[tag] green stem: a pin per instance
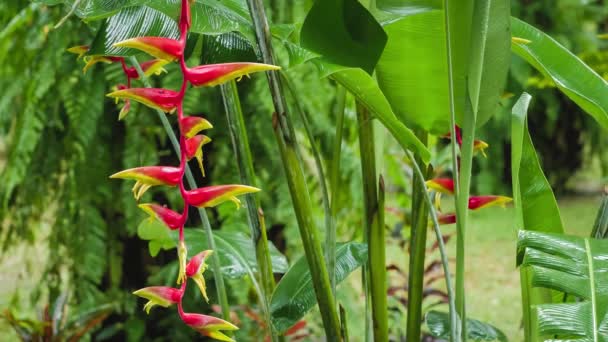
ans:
(344, 327)
(461, 199)
(290, 158)
(321, 173)
(215, 261)
(374, 225)
(330, 237)
(417, 255)
(308, 233)
(240, 143)
(454, 324)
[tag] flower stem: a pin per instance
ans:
(240, 143)
(215, 261)
(292, 165)
(374, 225)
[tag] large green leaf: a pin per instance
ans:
(413, 70)
(576, 266)
(294, 295)
(535, 203)
(236, 251)
(366, 90)
(138, 18)
(344, 32)
(573, 77)
(132, 22)
(439, 326)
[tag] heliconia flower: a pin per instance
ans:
(480, 146)
(213, 74)
(458, 135)
(195, 269)
(170, 218)
(80, 50)
(159, 47)
(189, 126)
(158, 98)
(446, 218)
(182, 254)
(480, 202)
(159, 295)
(211, 196)
(151, 67)
(149, 176)
(442, 185)
(194, 149)
(209, 326)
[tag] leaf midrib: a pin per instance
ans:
(592, 289)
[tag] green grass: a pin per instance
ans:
(492, 281)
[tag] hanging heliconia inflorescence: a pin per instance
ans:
(191, 142)
(446, 186)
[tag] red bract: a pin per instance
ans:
(446, 218)
(189, 126)
(195, 269)
(170, 218)
(194, 149)
(215, 74)
(442, 185)
(209, 326)
(159, 47)
(159, 295)
(480, 202)
(149, 176)
(211, 196)
(158, 98)
(154, 66)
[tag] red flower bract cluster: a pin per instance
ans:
(191, 143)
(446, 186)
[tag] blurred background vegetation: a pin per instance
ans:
(67, 230)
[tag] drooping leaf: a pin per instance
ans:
(534, 201)
(600, 227)
(439, 326)
(344, 32)
(571, 75)
(576, 266)
(366, 90)
(294, 295)
(226, 48)
(413, 73)
(235, 250)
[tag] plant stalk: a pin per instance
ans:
(417, 253)
(330, 237)
(215, 261)
(240, 143)
(374, 225)
(329, 228)
(454, 324)
(286, 140)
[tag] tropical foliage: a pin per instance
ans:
(369, 115)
